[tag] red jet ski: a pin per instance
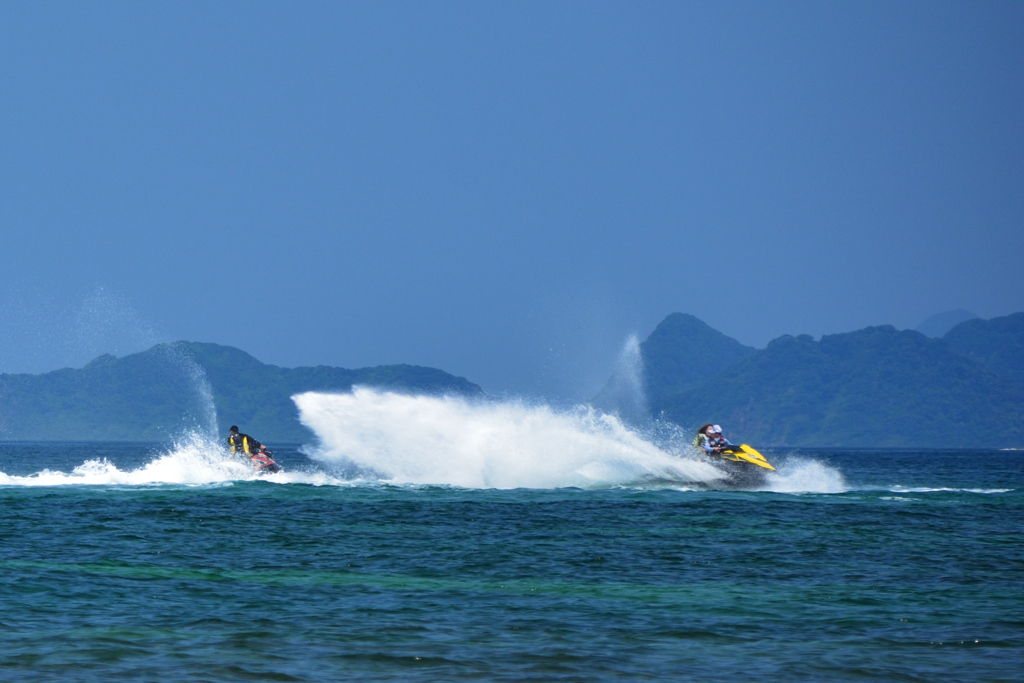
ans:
(263, 462)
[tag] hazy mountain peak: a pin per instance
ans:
(684, 352)
(939, 324)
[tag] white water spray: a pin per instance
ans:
(207, 409)
(204, 415)
(194, 461)
(624, 394)
(452, 441)
(801, 475)
(106, 322)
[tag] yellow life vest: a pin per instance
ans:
(234, 444)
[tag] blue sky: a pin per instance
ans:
(502, 190)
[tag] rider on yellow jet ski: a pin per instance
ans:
(702, 436)
(715, 442)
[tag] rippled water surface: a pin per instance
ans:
(911, 569)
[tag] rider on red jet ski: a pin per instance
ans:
(258, 454)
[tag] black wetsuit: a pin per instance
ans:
(244, 443)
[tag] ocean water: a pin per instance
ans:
(431, 539)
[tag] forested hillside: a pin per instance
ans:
(874, 387)
(166, 391)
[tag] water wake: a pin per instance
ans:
(452, 441)
(195, 461)
(800, 475)
(373, 437)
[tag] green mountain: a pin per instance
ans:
(684, 352)
(681, 353)
(874, 387)
(163, 392)
(998, 344)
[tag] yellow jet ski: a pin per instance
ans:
(744, 453)
(746, 467)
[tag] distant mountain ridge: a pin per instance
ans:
(998, 344)
(157, 394)
(873, 387)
